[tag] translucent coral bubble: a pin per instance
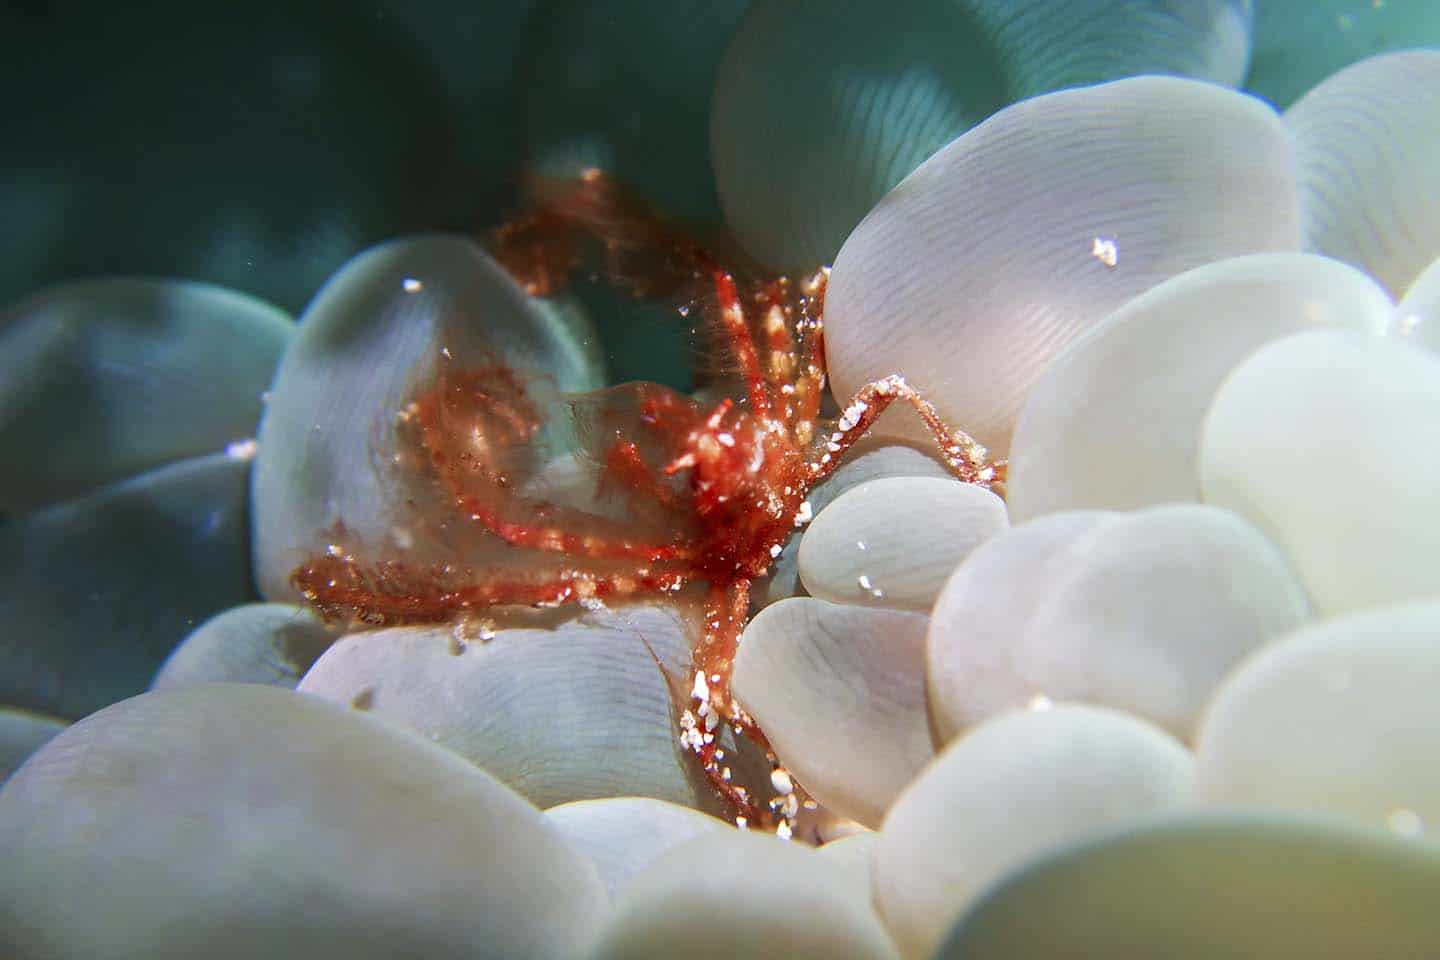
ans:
(971, 276)
(329, 442)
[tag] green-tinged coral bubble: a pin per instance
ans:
(255, 148)
(821, 107)
(625, 86)
(102, 379)
(95, 592)
(1297, 45)
(1215, 885)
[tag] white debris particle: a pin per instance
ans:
(864, 581)
(701, 690)
(241, 449)
(412, 285)
(1041, 702)
(726, 439)
(860, 545)
(1406, 823)
(803, 515)
(776, 550)
(781, 781)
(1106, 251)
(782, 830)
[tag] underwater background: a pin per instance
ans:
(195, 199)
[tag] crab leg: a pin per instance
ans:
(390, 593)
(961, 453)
(714, 659)
(742, 346)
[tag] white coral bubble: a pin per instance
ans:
(840, 693)
(272, 643)
(576, 712)
(1115, 422)
(1338, 717)
(1328, 441)
(893, 542)
(1010, 790)
(1145, 612)
(239, 820)
(740, 894)
(623, 835)
(971, 275)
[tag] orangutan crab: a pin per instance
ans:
(713, 494)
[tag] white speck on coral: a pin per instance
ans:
(1106, 251)
(1405, 822)
(242, 449)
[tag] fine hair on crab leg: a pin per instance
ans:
(962, 454)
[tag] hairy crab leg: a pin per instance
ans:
(726, 607)
(742, 345)
(965, 457)
(392, 593)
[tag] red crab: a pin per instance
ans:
(712, 493)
